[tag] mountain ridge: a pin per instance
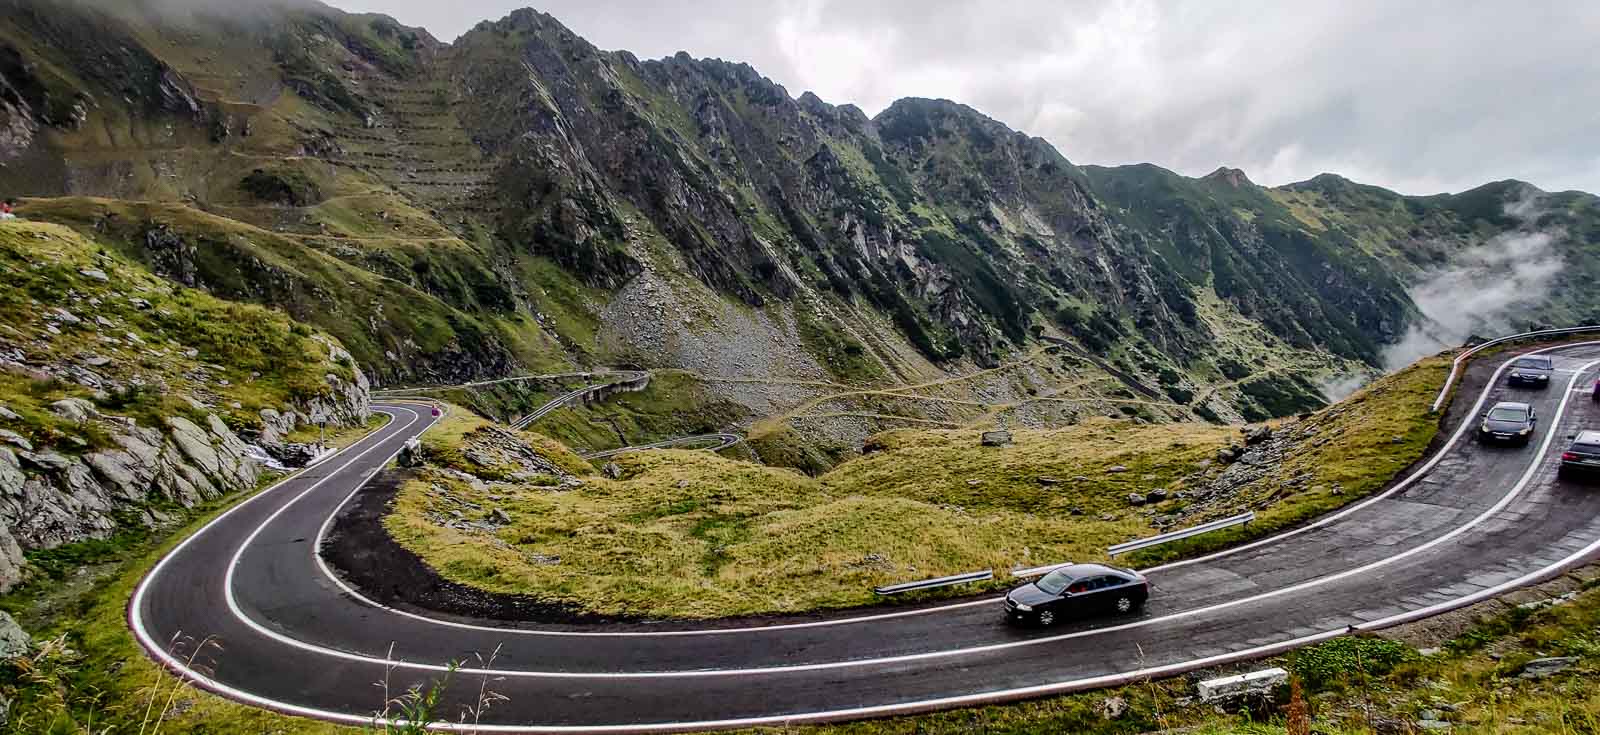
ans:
(520, 199)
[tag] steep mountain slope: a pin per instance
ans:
(519, 199)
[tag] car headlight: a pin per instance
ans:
(1484, 427)
(1526, 431)
(1024, 608)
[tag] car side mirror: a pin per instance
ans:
(1570, 437)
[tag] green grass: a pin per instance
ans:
(697, 535)
(452, 308)
(261, 358)
(844, 357)
(1360, 455)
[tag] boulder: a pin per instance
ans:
(8, 414)
(47, 460)
(500, 516)
(1137, 499)
(411, 455)
(76, 410)
(612, 471)
(1116, 469)
(94, 274)
(11, 477)
(998, 438)
(16, 440)
(1157, 495)
(296, 454)
(1112, 708)
(194, 443)
(1258, 435)
(1540, 668)
(14, 641)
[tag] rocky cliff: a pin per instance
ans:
(125, 399)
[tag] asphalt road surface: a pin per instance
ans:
(1477, 521)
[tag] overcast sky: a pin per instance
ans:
(1420, 97)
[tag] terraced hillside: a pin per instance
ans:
(519, 200)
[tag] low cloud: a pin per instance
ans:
(1485, 291)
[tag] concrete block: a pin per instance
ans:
(1254, 682)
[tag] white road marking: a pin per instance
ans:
(1325, 520)
(900, 708)
(1516, 490)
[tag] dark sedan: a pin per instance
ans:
(1583, 457)
(1077, 590)
(1509, 422)
(1534, 370)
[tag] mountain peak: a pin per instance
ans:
(1231, 176)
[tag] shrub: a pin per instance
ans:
(1327, 663)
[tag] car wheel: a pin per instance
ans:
(1047, 617)
(1125, 604)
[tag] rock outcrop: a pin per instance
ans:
(49, 498)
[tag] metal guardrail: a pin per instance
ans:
(1203, 528)
(928, 584)
(1031, 572)
(1461, 359)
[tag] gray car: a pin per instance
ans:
(1509, 422)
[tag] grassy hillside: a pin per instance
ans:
(697, 535)
(80, 320)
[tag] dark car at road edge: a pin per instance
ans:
(1077, 590)
(1583, 456)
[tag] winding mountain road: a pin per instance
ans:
(1473, 522)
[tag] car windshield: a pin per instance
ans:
(1054, 582)
(1534, 362)
(1507, 414)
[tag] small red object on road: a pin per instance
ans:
(436, 411)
